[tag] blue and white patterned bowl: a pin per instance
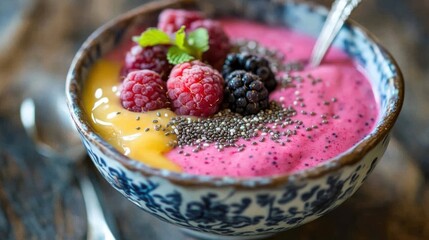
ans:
(231, 208)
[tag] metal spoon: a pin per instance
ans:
(340, 11)
(45, 119)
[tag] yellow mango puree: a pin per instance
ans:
(140, 136)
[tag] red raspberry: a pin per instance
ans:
(195, 88)
(218, 42)
(144, 90)
(170, 20)
(150, 58)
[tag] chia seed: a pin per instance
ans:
(226, 127)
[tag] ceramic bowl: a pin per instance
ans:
(231, 208)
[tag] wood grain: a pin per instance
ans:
(38, 198)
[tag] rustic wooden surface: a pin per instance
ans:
(40, 199)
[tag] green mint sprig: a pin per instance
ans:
(184, 47)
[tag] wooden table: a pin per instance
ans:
(40, 198)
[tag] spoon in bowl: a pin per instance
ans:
(340, 11)
(45, 119)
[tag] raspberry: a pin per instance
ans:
(195, 88)
(150, 58)
(219, 44)
(143, 90)
(170, 20)
(245, 93)
(250, 63)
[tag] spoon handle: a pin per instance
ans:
(339, 12)
(98, 229)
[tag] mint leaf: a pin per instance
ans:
(181, 38)
(183, 48)
(175, 55)
(199, 39)
(152, 37)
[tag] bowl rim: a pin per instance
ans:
(349, 157)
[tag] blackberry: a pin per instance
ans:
(250, 63)
(245, 93)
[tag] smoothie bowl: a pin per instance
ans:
(219, 126)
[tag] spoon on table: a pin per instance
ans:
(340, 11)
(46, 120)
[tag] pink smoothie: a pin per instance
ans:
(335, 108)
